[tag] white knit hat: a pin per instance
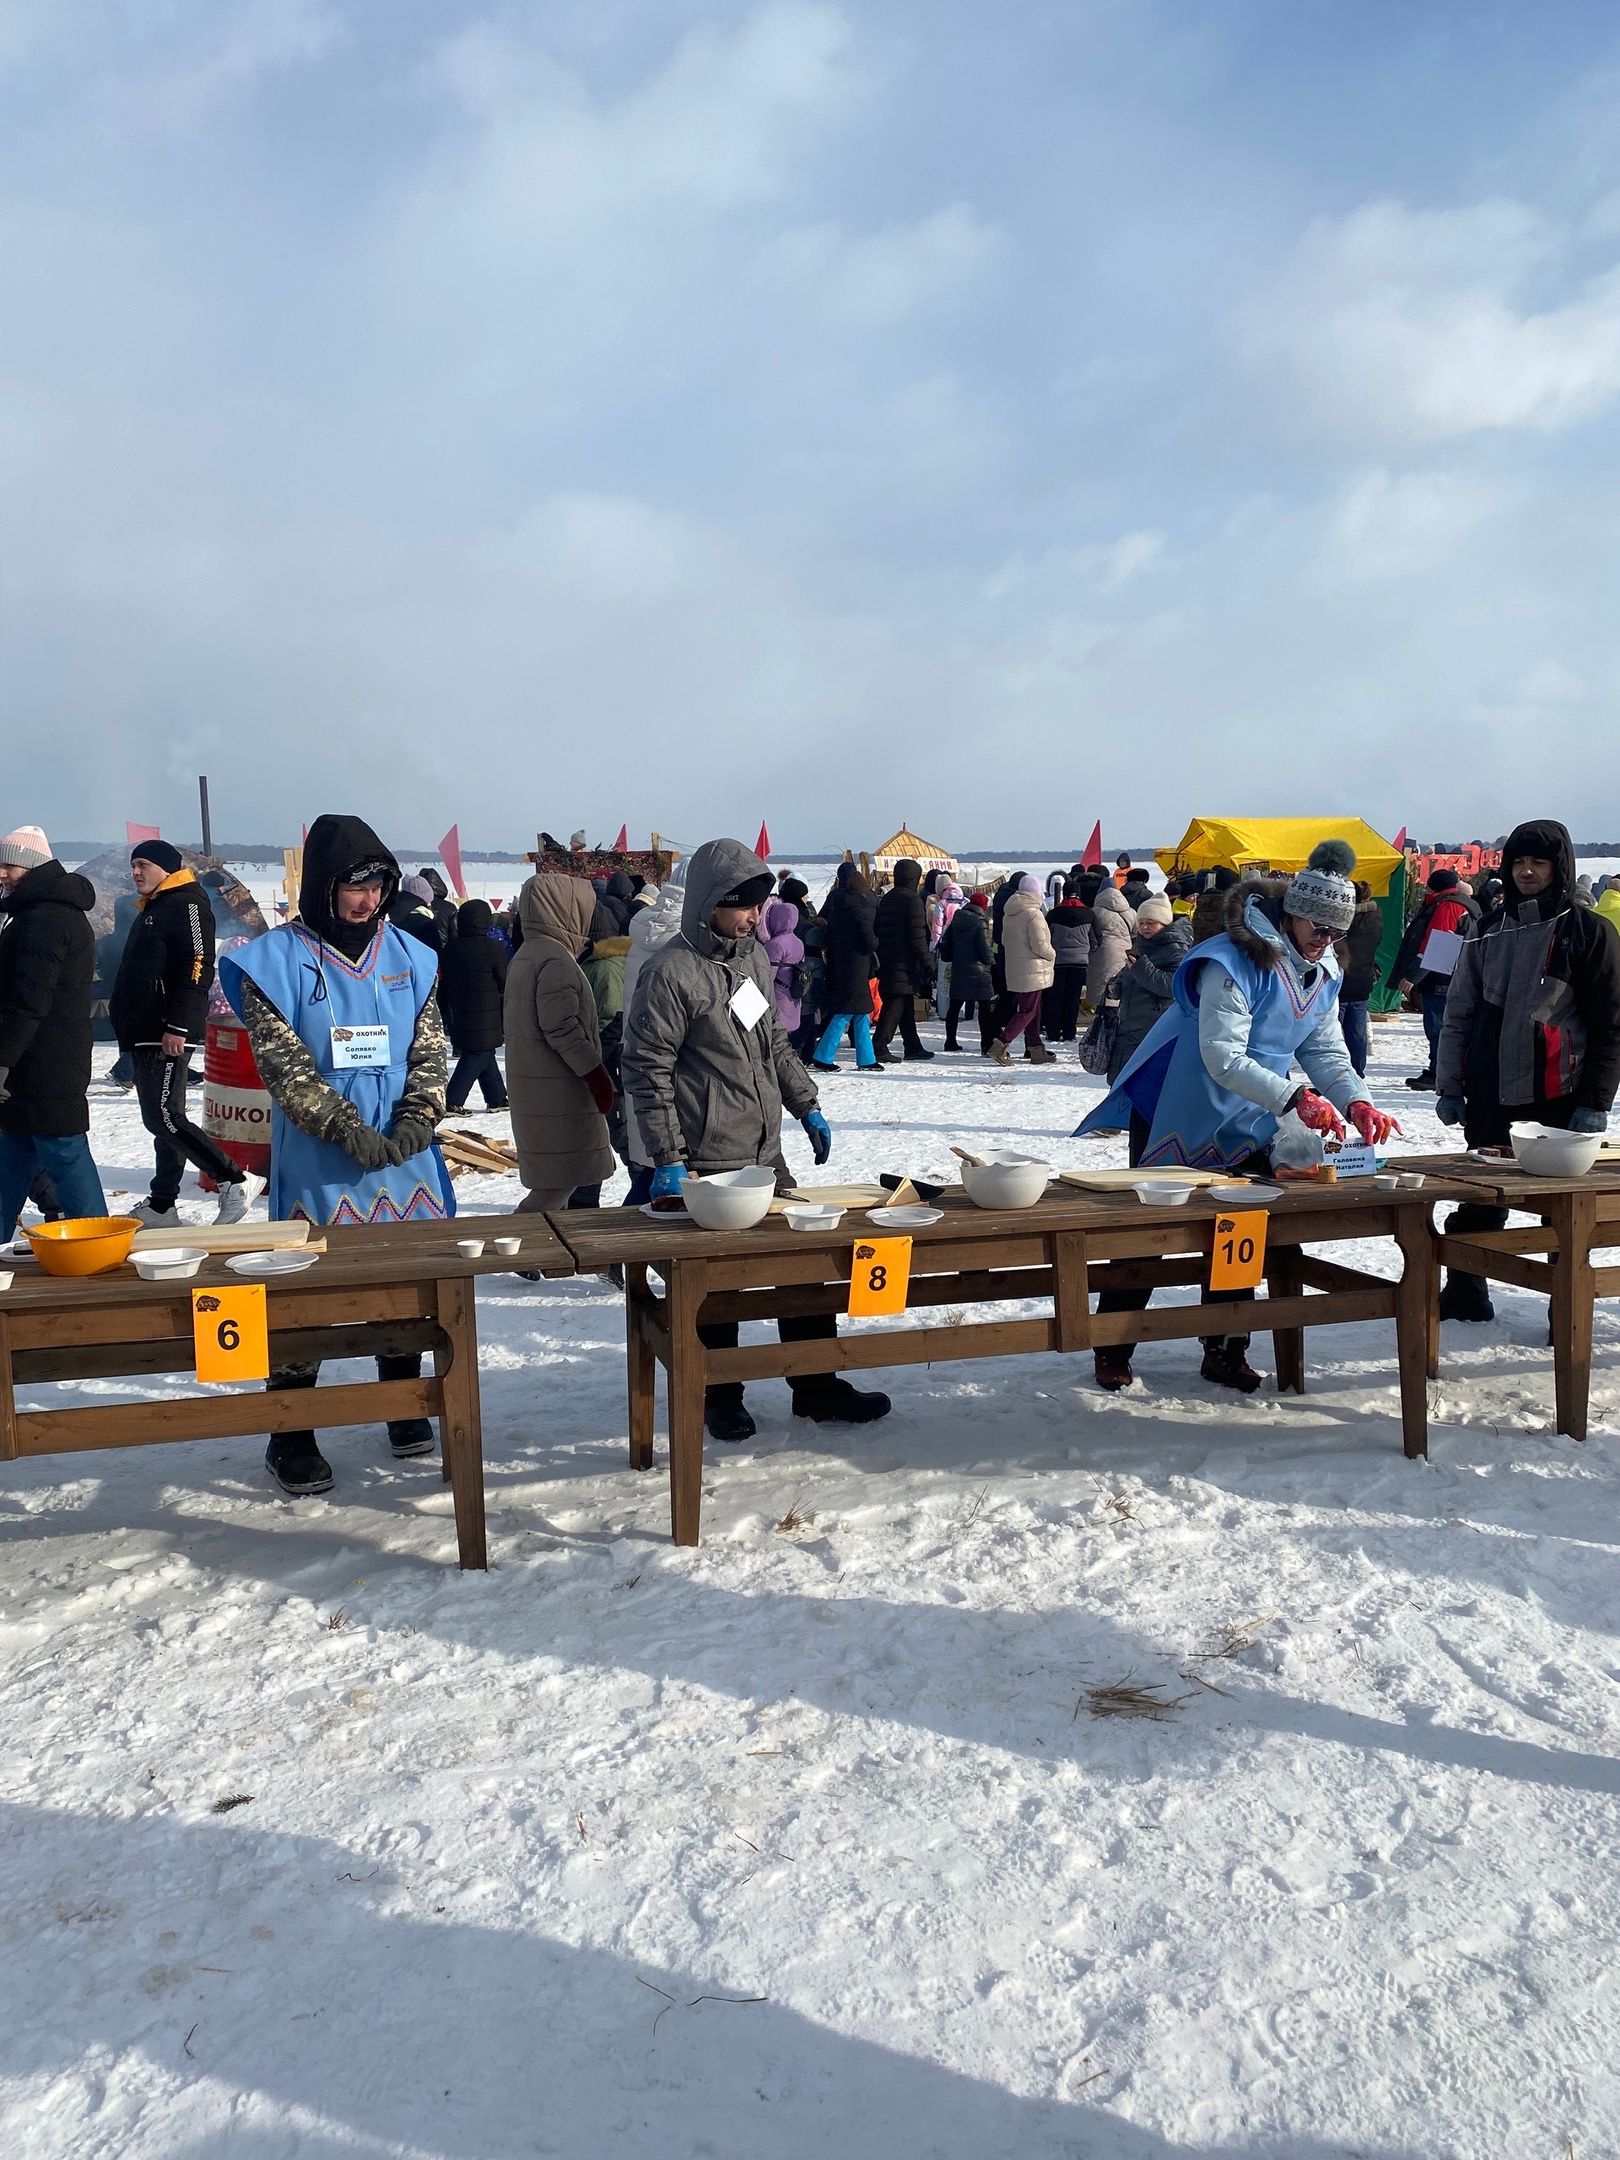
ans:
(25, 847)
(1322, 891)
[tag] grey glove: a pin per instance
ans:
(366, 1147)
(410, 1135)
(1450, 1109)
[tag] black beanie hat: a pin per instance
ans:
(1442, 880)
(751, 892)
(157, 851)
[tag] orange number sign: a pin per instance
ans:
(1239, 1259)
(880, 1277)
(230, 1333)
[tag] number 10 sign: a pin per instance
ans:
(1239, 1258)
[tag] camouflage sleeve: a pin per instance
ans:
(427, 1069)
(288, 1072)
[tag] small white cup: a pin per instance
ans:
(470, 1248)
(6, 1278)
(506, 1246)
(1411, 1180)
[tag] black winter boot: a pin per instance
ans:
(724, 1414)
(1113, 1367)
(828, 1399)
(296, 1463)
(1466, 1297)
(1226, 1363)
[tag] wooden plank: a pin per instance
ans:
(1416, 1312)
(688, 1374)
(1523, 1240)
(149, 1319)
(1606, 1282)
(1241, 1317)
(897, 1346)
(1071, 1302)
(1318, 1274)
(981, 1288)
(1285, 1277)
(1574, 1221)
(641, 1368)
(223, 1417)
(288, 1346)
(460, 1424)
(8, 1407)
(1475, 1259)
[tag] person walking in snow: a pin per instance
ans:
(709, 1071)
(472, 986)
(778, 933)
(851, 959)
(47, 969)
(1070, 926)
(1212, 1080)
(1113, 925)
(1532, 1025)
(1027, 961)
(346, 1033)
(1454, 915)
(159, 1010)
(965, 949)
(1147, 980)
(562, 1092)
(905, 963)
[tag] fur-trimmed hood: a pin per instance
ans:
(1253, 920)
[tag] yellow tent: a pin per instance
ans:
(1279, 844)
(905, 843)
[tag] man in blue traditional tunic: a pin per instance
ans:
(346, 1033)
(1213, 1078)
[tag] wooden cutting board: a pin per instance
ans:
(845, 1196)
(1123, 1180)
(230, 1237)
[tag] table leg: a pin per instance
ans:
(688, 1362)
(1287, 1344)
(461, 1434)
(1417, 1309)
(1071, 1294)
(1574, 1221)
(642, 1368)
(8, 1405)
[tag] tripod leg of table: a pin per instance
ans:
(1416, 1324)
(642, 1369)
(1574, 1221)
(1287, 1344)
(688, 1282)
(460, 1427)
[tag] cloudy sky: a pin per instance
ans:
(636, 410)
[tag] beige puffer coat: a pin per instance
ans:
(1113, 925)
(552, 1039)
(1026, 944)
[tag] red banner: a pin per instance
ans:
(762, 846)
(135, 834)
(450, 856)
(1092, 858)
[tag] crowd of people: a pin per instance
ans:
(672, 1029)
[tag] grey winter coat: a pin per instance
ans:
(1113, 925)
(1145, 990)
(553, 1039)
(705, 1090)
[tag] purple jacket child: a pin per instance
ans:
(778, 932)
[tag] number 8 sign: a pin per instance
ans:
(1239, 1258)
(880, 1277)
(230, 1333)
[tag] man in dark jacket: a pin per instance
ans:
(472, 989)
(159, 1009)
(905, 963)
(47, 968)
(444, 910)
(965, 948)
(1358, 957)
(1532, 1025)
(1454, 915)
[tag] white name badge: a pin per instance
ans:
(356, 1046)
(749, 1004)
(1354, 1161)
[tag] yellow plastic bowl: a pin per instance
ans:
(86, 1245)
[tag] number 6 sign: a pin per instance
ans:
(230, 1333)
(1239, 1258)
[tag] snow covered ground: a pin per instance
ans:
(808, 1844)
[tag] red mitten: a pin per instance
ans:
(1319, 1114)
(601, 1088)
(1373, 1124)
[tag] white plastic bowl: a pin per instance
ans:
(1547, 1153)
(1006, 1181)
(730, 1199)
(1157, 1192)
(810, 1216)
(169, 1263)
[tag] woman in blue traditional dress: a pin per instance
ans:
(1213, 1078)
(346, 1033)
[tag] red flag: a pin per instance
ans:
(135, 834)
(450, 856)
(621, 845)
(1092, 858)
(1400, 841)
(762, 846)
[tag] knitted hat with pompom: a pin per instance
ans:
(1322, 891)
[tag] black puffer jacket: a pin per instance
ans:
(47, 968)
(851, 953)
(167, 968)
(1146, 988)
(1358, 953)
(966, 948)
(472, 981)
(905, 964)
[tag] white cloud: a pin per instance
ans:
(1414, 325)
(1399, 525)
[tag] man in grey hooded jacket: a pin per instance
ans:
(707, 1067)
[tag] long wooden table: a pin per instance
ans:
(1579, 1216)
(1067, 1246)
(383, 1291)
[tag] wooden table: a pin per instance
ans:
(383, 1291)
(1579, 1215)
(1068, 1245)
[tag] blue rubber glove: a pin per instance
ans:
(820, 1136)
(1449, 1109)
(666, 1184)
(1589, 1121)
